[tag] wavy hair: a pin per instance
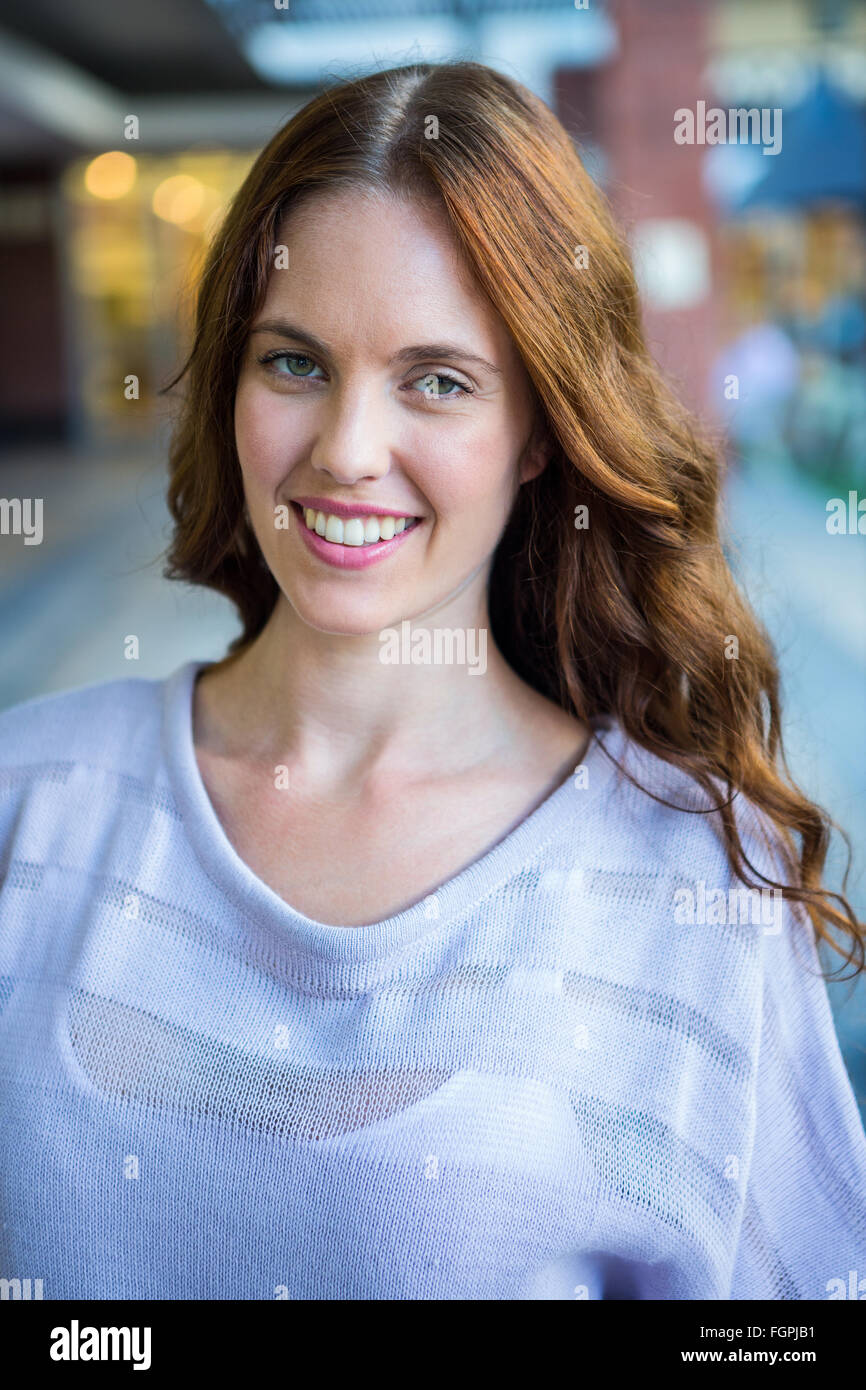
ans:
(629, 616)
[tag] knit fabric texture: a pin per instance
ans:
(584, 1067)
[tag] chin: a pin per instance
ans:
(340, 618)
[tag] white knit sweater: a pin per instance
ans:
(571, 1072)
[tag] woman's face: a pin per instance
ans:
(377, 377)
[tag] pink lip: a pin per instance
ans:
(323, 504)
(350, 557)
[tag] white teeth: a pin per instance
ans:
(354, 530)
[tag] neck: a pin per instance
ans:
(438, 694)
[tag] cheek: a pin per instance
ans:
(266, 448)
(472, 471)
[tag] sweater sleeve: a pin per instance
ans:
(803, 1229)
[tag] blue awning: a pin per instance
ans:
(823, 154)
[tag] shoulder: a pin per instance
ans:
(662, 839)
(640, 861)
(79, 765)
(653, 812)
(104, 723)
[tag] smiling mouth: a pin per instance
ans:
(354, 532)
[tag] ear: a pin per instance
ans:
(536, 454)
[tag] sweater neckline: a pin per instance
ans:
(261, 904)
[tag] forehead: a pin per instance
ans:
(373, 265)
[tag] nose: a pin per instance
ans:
(352, 443)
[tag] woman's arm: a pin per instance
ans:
(803, 1232)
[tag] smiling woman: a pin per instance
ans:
(376, 978)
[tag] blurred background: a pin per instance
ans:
(125, 130)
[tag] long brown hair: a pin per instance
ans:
(629, 616)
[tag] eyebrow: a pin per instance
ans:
(283, 329)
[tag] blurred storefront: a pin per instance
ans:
(792, 240)
(137, 229)
(125, 256)
(797, 283)
(102, 235)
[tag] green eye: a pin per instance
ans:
(432, 387)
(298, 363)
(301, 371)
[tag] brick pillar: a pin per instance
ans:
(627, 106)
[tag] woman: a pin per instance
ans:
(380, 959)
